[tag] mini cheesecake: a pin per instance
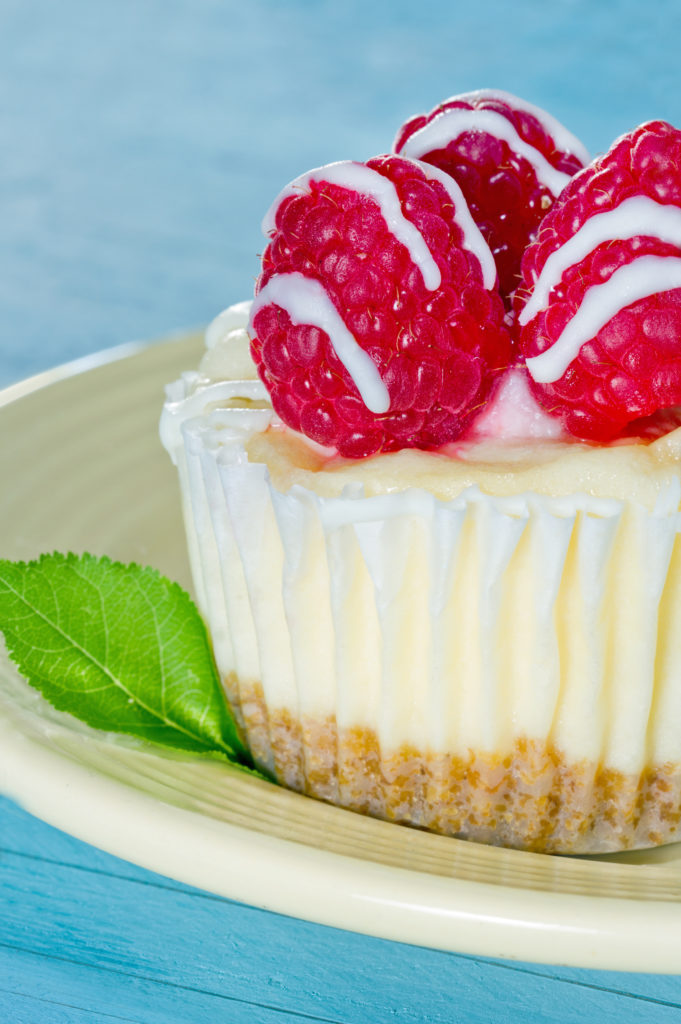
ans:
(482, 640)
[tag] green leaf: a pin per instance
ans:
(118, 646)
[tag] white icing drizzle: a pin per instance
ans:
(647, 275)
(472, 236)
(565, 141)
(306, 302)
(359, 178)
(639, 215)
(449, 124)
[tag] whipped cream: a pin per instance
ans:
(229, 320)
(514, 414)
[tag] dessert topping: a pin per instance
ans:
(632, 218)
(510, 158)
(307, 302)
(378, 322)
(600, 304)
(639, 279)
(376, 283)
(453, 122)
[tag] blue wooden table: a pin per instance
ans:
(141, 142)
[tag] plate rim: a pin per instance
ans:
(450, 914)
(457, 915)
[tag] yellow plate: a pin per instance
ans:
(82, 469)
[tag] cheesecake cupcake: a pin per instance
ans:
(442, 589)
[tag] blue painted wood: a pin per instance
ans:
(68, 993)
(98, 922)
(63, 991)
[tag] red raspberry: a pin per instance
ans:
(417, 324)
(511, 161)
(611, 292)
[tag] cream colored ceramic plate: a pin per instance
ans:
(82, 469)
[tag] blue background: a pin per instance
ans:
(141, 141)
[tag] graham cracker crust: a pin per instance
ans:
(530, 799)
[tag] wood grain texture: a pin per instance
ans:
(99, 932)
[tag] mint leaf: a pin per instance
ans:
(118, 646)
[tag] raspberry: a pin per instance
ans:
(510, 159)
(601, 291)
(376, 324)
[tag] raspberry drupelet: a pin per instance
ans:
(377, 323)
(510, 158)
(600, 302)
